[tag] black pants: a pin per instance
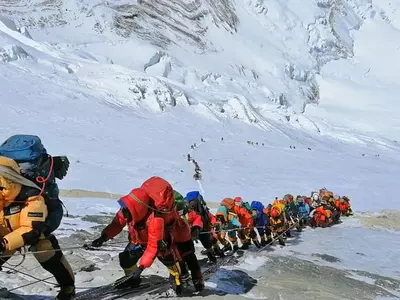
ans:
(205, 238)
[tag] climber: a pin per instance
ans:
(158, 197)
(278, 223)
(148, 239)
(199, 220)
(268, 232)
(308, 201)
(303, 210)
(290, 208)
(290, 212)
(316, 200)
(243, 204)
(226, 223)
(252, 233)
(260, 221)
(343, 206)
(35, 163)
(23, 209)
(323, 215)
(246, 233)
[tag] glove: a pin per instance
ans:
(217, 227)
(137, 272)
(2, 246)
(195, 233)
(99, 241)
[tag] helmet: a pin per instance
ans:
(300, 199)
(193, 195)
(288, 198)
(238, 201)
(315, 196)
(275, 212)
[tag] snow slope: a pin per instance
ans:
(103, 117)
(289, 96)
(325, 263)
(268, 63)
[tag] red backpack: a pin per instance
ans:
(161, 192)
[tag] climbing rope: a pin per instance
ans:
(63, 249)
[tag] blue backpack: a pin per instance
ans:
(27, 151)
(23, 148)
(33, 159)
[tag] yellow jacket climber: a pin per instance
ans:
(277, 220)
(23, 212)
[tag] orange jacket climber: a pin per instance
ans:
(244, 217)
(343, 206)
(322, 217)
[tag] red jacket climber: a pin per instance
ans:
(147, 235)
(160, 196)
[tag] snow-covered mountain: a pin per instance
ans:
(288, 96)
(267, 63)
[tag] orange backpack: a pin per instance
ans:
(229, 203)
(161, 192)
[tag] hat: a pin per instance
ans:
(238, 201)
(10, 170)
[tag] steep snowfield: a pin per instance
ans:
(124, 89)
(262, 62)
(325, 263)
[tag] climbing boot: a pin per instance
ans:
(66, 293)
(211, 256)
(227, 247)
(245, 246)
(257, 243)
(198, 281)
(218, 251)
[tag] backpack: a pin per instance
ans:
(161, 192)
(247, 207)
(180, 204)
(202, 208)
(258, 206)
(229, 203)
(41, 168)
(177, 196)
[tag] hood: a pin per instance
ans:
(229, 203)
(11, 181)
(222, 211)
(238, 201)
(178, 196)
(258, 206)
(193, 195)
(138, 204)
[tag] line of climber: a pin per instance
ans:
(30, 212)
